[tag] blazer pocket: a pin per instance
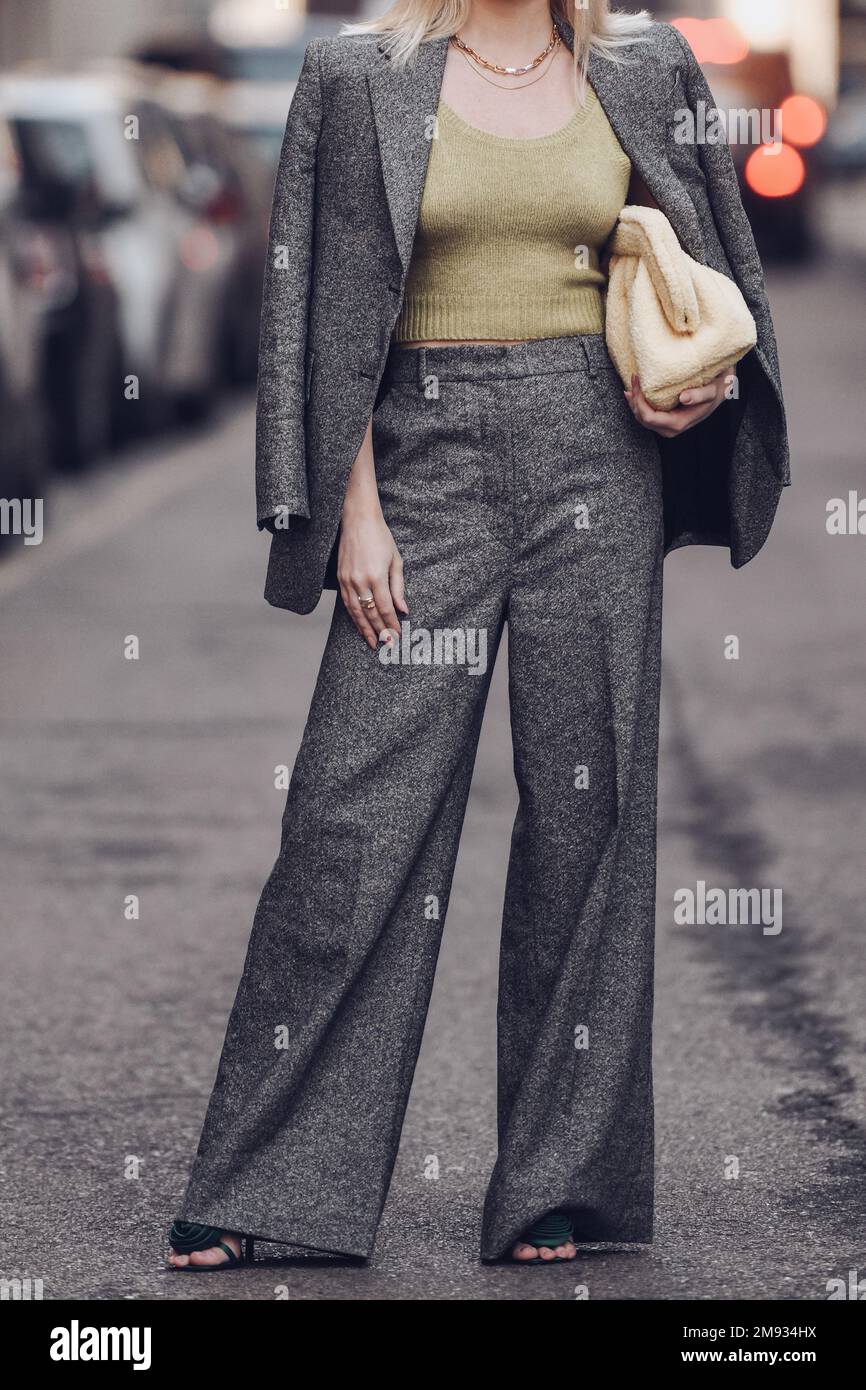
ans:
(308, 374)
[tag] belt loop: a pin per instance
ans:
(590, 359)
(422, 369)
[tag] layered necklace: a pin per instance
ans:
(476, 62)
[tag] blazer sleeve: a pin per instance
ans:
(281, 473)
(738, 243)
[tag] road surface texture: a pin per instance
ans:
(155, 777)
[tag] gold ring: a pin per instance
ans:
(367, 602)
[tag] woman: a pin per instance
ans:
(441, 435)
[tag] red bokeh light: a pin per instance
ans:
(804, 121)
(714, 40)
(775, 171)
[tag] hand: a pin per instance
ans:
(369, 563)
(695, 405)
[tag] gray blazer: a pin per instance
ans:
(346, 203)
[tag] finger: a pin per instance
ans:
(398, 588)
(384, 605)
(357, 614)
(633, 395)
(675, 422)
(699, 395)
(375, 620)
(372, 589)
(648, 415)
(670, 423)
(362, 623)
(642, 408)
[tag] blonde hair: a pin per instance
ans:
(597, 28)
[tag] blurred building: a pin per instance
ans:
(61, 32)
(853, 45)
(67, 32)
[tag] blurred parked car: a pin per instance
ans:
(21, 307)
(79, 359)
(226, 185)
(844, 149)
(256, 113)
(258, 51)
(116, 156)
(241, 42)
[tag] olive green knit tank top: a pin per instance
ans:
(509, 230)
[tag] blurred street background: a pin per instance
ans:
(137, 153)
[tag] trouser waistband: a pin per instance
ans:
(492, 361)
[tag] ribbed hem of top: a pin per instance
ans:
(428, 317)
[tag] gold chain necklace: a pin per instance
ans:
(506, 71)
(505, 86)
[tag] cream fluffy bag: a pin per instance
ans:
(670, 321)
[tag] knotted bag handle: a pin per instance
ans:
(647, 235)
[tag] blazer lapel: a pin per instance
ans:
(619, 92)
(629, 102)
(405, 101)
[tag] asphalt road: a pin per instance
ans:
(154, 777)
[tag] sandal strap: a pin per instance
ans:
(556, 1228)
(186, 1236)
(232, 1257)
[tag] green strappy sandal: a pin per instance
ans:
(550, 1231)
(187, 1236)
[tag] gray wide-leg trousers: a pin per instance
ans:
(519, 489)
